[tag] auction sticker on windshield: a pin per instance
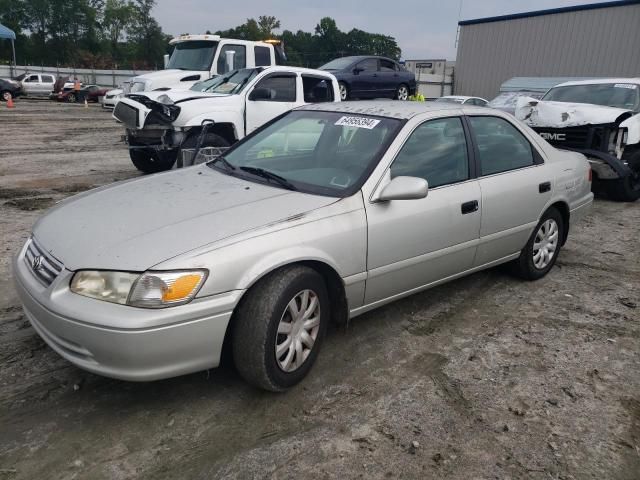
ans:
(358, 122)
(625, 85)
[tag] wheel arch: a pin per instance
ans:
(563, 208)
(226, 130)
(335, 288)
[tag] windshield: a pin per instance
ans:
(230, 83)
(619, 95)
(325, 153)
(197, 55)
(509, 99)
(337, 64)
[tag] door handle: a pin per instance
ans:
(469, 207)
(544, 187)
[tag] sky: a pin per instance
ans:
(423, 28)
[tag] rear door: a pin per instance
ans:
(47, 82)
(388, 77)
(515, 182)
(272, 95)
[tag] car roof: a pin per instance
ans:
(599, 81)
(361, 57)
(461, 97)
(310, 71)
(382, 108)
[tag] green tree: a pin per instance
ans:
(267, 24)
(118, 15)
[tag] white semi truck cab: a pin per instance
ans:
(200, 57)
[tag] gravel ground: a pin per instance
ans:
(485, 377)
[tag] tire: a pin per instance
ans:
(344, 91)
(527, 266)
(402, 92)
(263, 312)
(148, 161)
(6, 95)
(626, 189)
(71, 98)
(210, 140)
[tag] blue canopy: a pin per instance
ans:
(7, 33)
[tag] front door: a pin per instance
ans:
(365, 79)
(31, 84)
(516, 185)
(271, 96)
(414, 243)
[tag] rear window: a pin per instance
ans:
(263, 56)
(317, 89)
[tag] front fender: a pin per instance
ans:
(233, 117)
(632, 124)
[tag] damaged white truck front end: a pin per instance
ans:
(608, 134)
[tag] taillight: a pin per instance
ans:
(590, 175)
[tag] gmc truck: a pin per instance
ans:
(599, 118)
(215, 113)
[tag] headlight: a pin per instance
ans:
(146, 290)
(168, 108)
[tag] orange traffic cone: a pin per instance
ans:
(10, 103)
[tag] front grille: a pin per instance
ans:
(570, 137)
(42, 264)
(126, 114)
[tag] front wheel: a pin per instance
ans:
(344, 91)
(148, 161)
(6, 95)
(627, 189)
(402, 93)
(280, 327)
(211, 140)
(541, 251)
(71, 98)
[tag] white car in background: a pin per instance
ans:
(462, 100)
(111, 98)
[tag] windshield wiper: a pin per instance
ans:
(261, 172)
(224, 162)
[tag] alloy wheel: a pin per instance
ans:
(6, 96)
(298, 330)
(403, 93)
(343, 92)
(545, 244)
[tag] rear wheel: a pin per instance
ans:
(148, 161)
(280, 327)
(6, 95)
(402, 93)
(541, 251)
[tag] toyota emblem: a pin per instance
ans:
(36, 263)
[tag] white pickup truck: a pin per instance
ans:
(160, 124)
(200, 57)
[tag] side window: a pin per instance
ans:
(32, 79)
(239, 59)
(435, 151)
(368, 65)
(47, 79)
(501, 145)
(279, 88)
(263, 56)
(317, 89)
(387, 65)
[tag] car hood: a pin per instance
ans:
(181, 96)
(172, 76)
(137, 224)
(537, 113)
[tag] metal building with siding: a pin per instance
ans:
(595, 40)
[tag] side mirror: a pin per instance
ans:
(260, 94)
(404, 188)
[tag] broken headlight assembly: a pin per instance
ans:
(167, 108)
(147, 290)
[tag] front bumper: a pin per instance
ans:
(124, 342)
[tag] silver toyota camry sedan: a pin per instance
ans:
(327, 212)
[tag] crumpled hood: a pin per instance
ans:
(181, 95)
(137, 224)
(537, 113)
(172, 78)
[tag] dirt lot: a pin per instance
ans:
(486, 377)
